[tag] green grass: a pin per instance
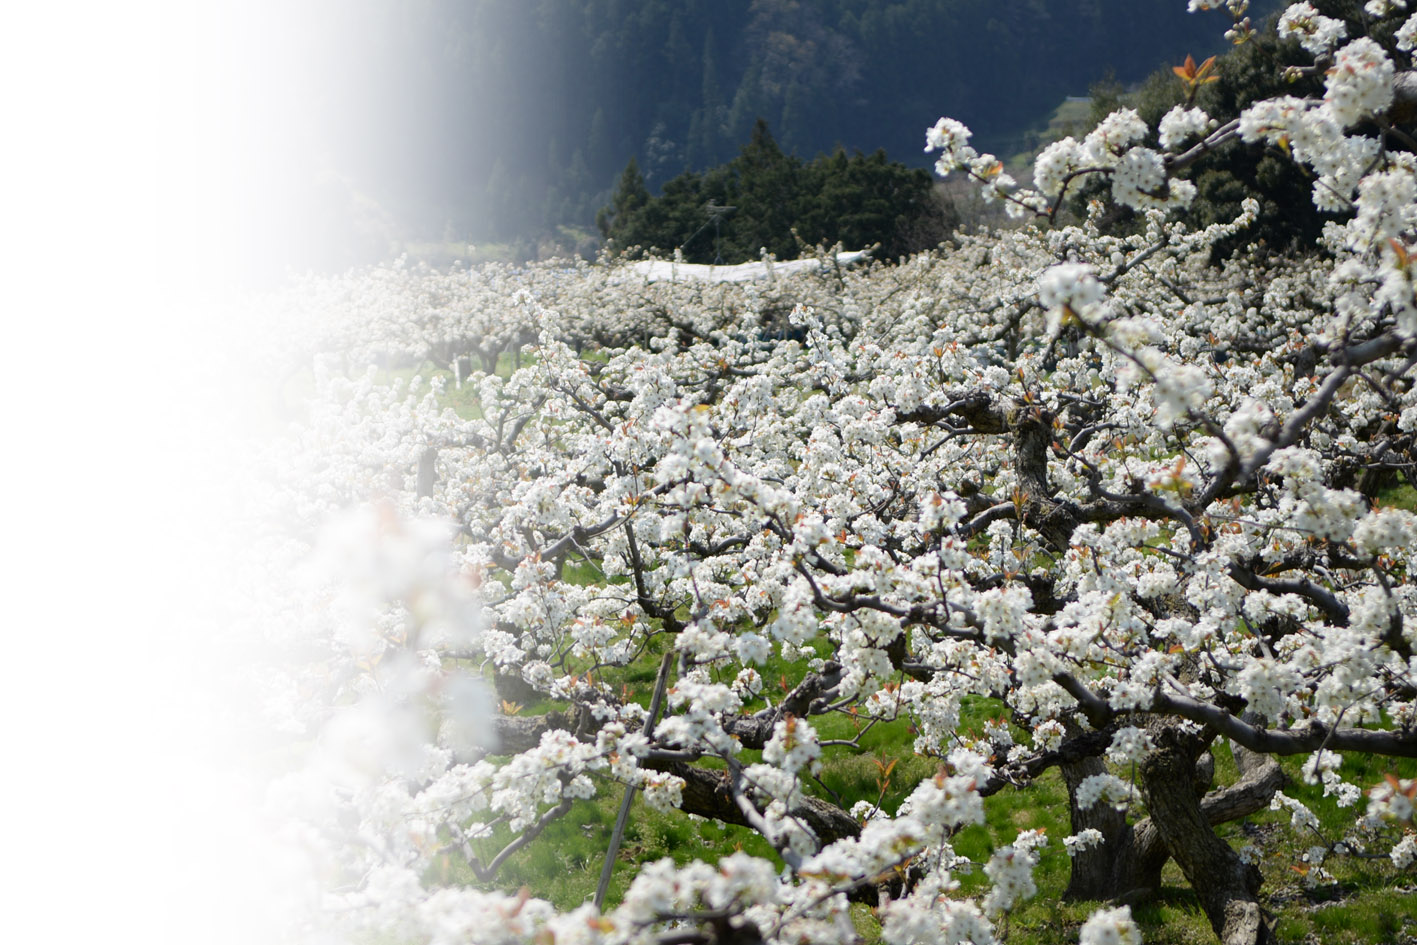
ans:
(1365, 903)
(1362, 903)
(1401, 496)
(563, 865)
(1366, 916)
(462, 399)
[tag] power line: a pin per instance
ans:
(716, 212)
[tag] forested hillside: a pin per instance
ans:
(501, 118)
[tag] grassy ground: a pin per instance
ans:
(461, 398)
(1401, 496)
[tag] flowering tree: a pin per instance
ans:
(1129, 496)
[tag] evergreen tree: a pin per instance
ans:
(626, 203)
(766, 199)
(768, 183)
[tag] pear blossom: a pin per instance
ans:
(1110, 927)
(1316, 33)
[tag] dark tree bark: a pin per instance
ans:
(1093, 875)
(706, 793)
(1226, 887)
(1126, 867)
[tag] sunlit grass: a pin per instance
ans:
(1400, 496)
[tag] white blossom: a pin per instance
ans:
(1110, 926)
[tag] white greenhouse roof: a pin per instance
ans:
(667, 270)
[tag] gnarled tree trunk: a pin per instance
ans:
(1126, 866)
(1226, 886)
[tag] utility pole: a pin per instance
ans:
(716, 212)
